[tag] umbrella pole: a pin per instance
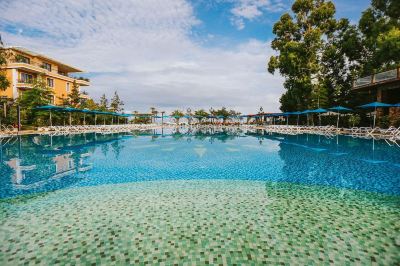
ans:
(51, 123)
(95, 119)
(298, 116)
(84, 119)
(374, 117)
(338, 117)
(70, 119)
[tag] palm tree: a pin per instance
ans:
(177, 115)
(153, 112)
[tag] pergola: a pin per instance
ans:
(70, 110)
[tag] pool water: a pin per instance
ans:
(199, 197)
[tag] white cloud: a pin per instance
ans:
(144, 50)
(252, 9)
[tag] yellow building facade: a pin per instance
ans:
(24, 66)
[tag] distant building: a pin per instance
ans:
(24, 66)
(381, 87)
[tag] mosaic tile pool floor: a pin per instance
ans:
(188, 222)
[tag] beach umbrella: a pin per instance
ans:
(305, 112)
(298, 116)
(49, 108)
(70, 110)
(286, 115)
(318, 111)
(84, 111)
(375, 105)
(338, 109)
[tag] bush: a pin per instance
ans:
(384, 121)
(354, 120)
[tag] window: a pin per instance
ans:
(26, 78)
(46, 66)
(52, 99)
(50, 82)
(22, 59)
(67, 87)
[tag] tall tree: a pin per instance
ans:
(200, 114)
(341, 63)
(40, 94)
(300, 41)
(90, 104)
(103, 104)
(75, 96)
(222, 112)
(116, 103)
(177, 114)
(4, 82)
(380, 28)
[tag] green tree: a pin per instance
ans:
(300, 42)
(39, 95)
(177, 114)
(90, 104)
(200, 114)
(116, 103)
(380, 28)
(154, 112)
(222, 112)
(4, 82)
(340, 63)
(75, 96)
(103, 105)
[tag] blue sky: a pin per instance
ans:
(168, 54)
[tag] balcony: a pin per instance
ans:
(25, 84)
(387, 77)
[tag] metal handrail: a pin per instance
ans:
(380, 77)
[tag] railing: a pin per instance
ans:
(38, 65)
(29, 81)
(381, 77)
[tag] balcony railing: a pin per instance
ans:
(377, 78)
(41, 65)
(25, 81)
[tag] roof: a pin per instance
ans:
(65, 67)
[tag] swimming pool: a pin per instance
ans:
(203, 197)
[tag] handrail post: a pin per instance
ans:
(19, 117)
(398, 72)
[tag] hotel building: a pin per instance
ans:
(24, 66)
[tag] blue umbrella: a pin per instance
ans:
(49, 108)
(375, 105)
(298, 116)
(70, 110)
(318, 111)
(339, 109)
(287, 114)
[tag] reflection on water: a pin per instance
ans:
(44, 163)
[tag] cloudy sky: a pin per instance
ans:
(163, 53)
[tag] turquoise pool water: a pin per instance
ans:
(226, 197)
